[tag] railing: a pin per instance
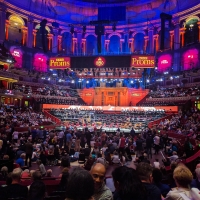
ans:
(53, 97)
(156, 122)
(9, 75)
(53, 118)
(168, 99)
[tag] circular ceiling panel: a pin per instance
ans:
(147, 14)
(60, 10)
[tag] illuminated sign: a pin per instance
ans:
(16, 53)
(88, 94)
(59, 63)
(140, 61)
(136, 95)
(99, 61)
(164, 62)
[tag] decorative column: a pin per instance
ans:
(146, 39)
(74, 44)
(29, 38)
(2, 22)
(83, 45)
(50, 38)
(155, 39)
(151, 41)
(34, 37)
(171, 39)
(55, 41)
(126, 40)
(182, 33)
(7, 26)
(131, 45)
(24, 35)
(177, 35)
(79, 41)
(59, 43)
(107, 45)
(121, 45)
(199, 31)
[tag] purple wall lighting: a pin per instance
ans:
(18, 55)
(190, 59)
(164, 62)
(40, 62)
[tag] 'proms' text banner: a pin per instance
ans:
(142, 61)
(59, 63)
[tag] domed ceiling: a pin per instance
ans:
(84, 11)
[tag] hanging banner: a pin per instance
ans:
(142, 61)
(59, 63)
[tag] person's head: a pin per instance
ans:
(36, 175)
(144, 171)
(157, 175)
(127, 183)
(182, 176)
(173, 165)
(49, 172)
(4, 170)
(23, 156)
(197, 171)
(39, 162)
(80, 185)
(16, 174)
(174, 153)
(37, 190)
(198, 166)
(6, 157)
(98, 172)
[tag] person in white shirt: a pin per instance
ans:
(115, 158)
(15, 135)
(156, 143)
(174, 157)
(156, 164)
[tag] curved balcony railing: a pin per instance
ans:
(167, 99)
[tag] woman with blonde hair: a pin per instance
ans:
(183, 178)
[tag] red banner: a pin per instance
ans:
(59, 63)
(142, 61)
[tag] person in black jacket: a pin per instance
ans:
(144, 171)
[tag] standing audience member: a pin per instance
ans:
(80, 185)
(183, 178)
(102, 192)
(157, 178)
(15, 190)
(37, 191)
(28, 151)
(144, 171)
(127, 184)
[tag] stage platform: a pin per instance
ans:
(172, 109)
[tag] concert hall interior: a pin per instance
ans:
(99, 100)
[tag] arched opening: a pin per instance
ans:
(139, 42)
(114, 46)
(39, 36)
(191, 32)
(91, 44)
(16, 24)
(67, 42)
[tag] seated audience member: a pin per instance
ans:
(41, 168)
(157, 178)
(80, 185)
(196, 182)
(144, 171)
(115, 158)
(183, 178)
(174, 157)
(101, 160)
(20, 160)
(64, 179)
(88, 164)
(156, 164)
(87, 151)
(127, 184)
(65, 161)
(37, 191)
(49, 173)
(101, 192)
(36, 176)
(4, 173)
(15, 190)
(26, 174)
